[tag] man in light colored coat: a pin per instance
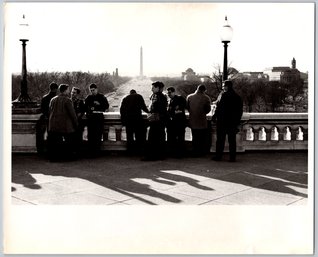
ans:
(199, 105)
(62, 125)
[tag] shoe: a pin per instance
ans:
(217, 159)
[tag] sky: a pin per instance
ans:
(101, 36)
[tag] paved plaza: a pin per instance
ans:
(263, 178)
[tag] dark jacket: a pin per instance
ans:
(62, 118)
(229, 109)
(79, 107)
(91, 106)
(45, 103)
(131, 108)
(159, 105)
(176, 109)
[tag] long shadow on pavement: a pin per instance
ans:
(280, 173)
(106, 172)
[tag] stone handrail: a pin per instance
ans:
(258, 131)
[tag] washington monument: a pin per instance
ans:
(141, 73)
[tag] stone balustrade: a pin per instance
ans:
(258, 131)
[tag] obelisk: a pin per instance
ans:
(141, 73)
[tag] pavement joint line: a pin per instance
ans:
(23, 200)
(237, 192)
(291, 203)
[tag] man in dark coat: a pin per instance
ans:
(131, 109)
(228, 113)
(79, 107)
(42, 124)
(176, 123)
(62, 125)
(156, 142)
(45, 101)
(96, 104)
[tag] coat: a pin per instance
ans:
(159, 104)
(131, 108)
(62, 118)
(199, 105)
(229, 109)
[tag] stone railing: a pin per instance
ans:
(271, 131)
(258, 131)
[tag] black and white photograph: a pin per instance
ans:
(158, 127)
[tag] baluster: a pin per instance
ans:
(262, 134)
(299, 134)
(287, 134)
(274, 134)
(249, 134)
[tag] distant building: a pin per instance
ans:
(189, 74)
(115, 73)
(254, 75)
(274, 73)
(204, 78)
(283, 74)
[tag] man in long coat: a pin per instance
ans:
(62, 125)
(199, 105)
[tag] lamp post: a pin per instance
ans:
(226, 36)
(24, 99)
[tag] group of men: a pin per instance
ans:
(63, 117)
(166, 118)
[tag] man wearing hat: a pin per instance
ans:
(62, 125)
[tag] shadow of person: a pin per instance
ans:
(179, 178)
(127, 186)
(119, 180)
(26, 179)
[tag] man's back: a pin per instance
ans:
(230, 108)
(45, 103)
(132, 106)
(62, 115)
(199, 105)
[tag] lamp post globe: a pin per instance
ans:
(226, 37)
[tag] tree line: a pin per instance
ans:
(257, 95)
(38, 82)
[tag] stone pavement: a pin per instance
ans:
(264, 178)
